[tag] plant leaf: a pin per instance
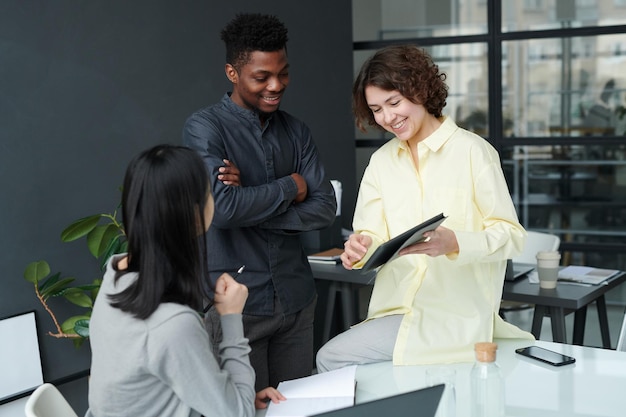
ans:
(35, 271)
(69, 324)
(81, 327)
(88, 287)
(100, 238)
(47, 283)
(78, 297)
(94, 293)
(57, 288)
(114, 248)
(80, 228)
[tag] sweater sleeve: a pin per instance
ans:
(191, 370)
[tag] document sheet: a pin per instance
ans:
(316, 394)
(586, 274)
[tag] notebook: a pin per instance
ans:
(330, 256)
(420, 403)
(517, 270)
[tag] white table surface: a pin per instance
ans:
(593, 386)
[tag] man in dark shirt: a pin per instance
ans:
(269, 186)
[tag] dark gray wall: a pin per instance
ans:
(85, 85)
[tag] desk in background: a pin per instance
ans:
(346, 283)
(564, 299)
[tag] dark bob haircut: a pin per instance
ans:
(404, 68)
(163, 201)
(249, 32)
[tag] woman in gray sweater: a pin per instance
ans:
(151, 355)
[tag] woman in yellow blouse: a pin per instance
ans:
(433, 303)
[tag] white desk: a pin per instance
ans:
(594, 386)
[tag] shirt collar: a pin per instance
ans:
(251, 115)
(437, 139)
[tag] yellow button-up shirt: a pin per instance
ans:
(448, 302)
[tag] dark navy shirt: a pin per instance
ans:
(257, 224)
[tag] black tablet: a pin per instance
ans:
(388, 251)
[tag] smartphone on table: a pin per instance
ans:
(545, 355)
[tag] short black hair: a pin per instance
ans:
(249, 32)
(163, 199)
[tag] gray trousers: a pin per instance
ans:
(368, 342)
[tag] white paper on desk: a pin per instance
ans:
(315, 394)
(533, 277)
(586, 274)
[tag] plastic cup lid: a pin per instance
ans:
(548, 255)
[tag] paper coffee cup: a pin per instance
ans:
(548, 268)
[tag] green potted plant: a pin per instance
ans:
(105, 237)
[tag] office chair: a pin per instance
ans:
(621, 342)
(535, 242)
(47, 401)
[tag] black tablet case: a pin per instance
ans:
(388, 251)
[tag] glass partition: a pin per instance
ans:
(404, 19)
(575, 191)
(555, 14)
(565, 86)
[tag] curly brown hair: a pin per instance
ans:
(404, 68)
(249, 32)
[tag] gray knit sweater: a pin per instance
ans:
(163, 366)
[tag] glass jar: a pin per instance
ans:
(486, 383)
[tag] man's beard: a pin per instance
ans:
(265, 115)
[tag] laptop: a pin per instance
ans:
(517, 270)
(420, 403)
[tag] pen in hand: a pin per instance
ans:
(239, 271)
(235, 275)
